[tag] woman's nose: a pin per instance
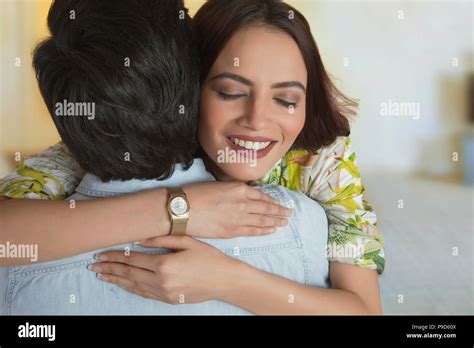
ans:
(257, 114)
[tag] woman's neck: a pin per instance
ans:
(216, 171)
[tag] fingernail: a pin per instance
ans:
(94, 268)
(144, 241)
(101, 257)
(102, 277)
(271, 230)
(289, 213)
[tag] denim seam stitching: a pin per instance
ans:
(95, 193)
(268, 248)
(53, 269)
(11, 284)
(297, 237)
(283, 197)
(300, 252)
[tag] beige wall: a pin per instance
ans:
(407, 59)
(25, 125)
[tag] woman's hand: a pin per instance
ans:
(232, 209)
(196, 272)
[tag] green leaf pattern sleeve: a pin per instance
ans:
(52, 174)
(331, 177)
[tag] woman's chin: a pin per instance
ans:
(245, 171)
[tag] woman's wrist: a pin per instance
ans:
(164, 221)
(154, 204)
(146, 215)
(238, 280)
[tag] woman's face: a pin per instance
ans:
(252, 104)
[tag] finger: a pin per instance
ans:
(139, 289)
(260, 207)
(170, 242)
(253, 231)
(131, 273)
(131, 258)
(259, 220)
(258, 195)
(141, 293)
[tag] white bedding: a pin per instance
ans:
(419, 239)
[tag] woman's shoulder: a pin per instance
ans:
(291, 170)
(51, 174)
(333, 153)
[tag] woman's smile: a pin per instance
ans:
(245, 143)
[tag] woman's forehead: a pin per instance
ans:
(261, 50)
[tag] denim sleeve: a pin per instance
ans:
(3, 290)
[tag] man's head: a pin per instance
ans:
(121, 81)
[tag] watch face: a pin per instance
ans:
(179, 206)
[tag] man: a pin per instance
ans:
(114, 77)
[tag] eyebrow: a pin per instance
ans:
(287, 84)
(245, 81)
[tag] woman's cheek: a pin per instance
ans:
(292, 126)
(214, 111)
(211, 121)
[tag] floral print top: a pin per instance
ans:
(329, 176)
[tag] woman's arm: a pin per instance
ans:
(60, 231)
(354, 291)
(219, 210)
(172, 277)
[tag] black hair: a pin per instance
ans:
(136, 63)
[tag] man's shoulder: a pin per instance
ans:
(292, 199)
(76, 196)
(282, 194)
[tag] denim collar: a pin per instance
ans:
(91, 185)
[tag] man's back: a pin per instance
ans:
(66, 286)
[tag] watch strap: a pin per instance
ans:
(178, 223)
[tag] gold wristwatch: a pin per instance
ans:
(178, 208)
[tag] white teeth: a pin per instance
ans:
(250, 145)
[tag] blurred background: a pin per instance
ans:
(411, 65)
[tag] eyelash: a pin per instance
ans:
(285, 103)
(237, 96)
(230, 96)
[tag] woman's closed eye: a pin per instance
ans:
(235, 96)
(285, 103)
(231, 96)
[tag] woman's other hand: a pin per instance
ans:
(196, 272)
(232, 209)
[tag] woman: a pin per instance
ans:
(291, 100)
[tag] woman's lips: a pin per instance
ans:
(246, 152)
(250, 138)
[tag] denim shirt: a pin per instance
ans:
(296, 251)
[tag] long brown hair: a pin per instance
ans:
(327, 109)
